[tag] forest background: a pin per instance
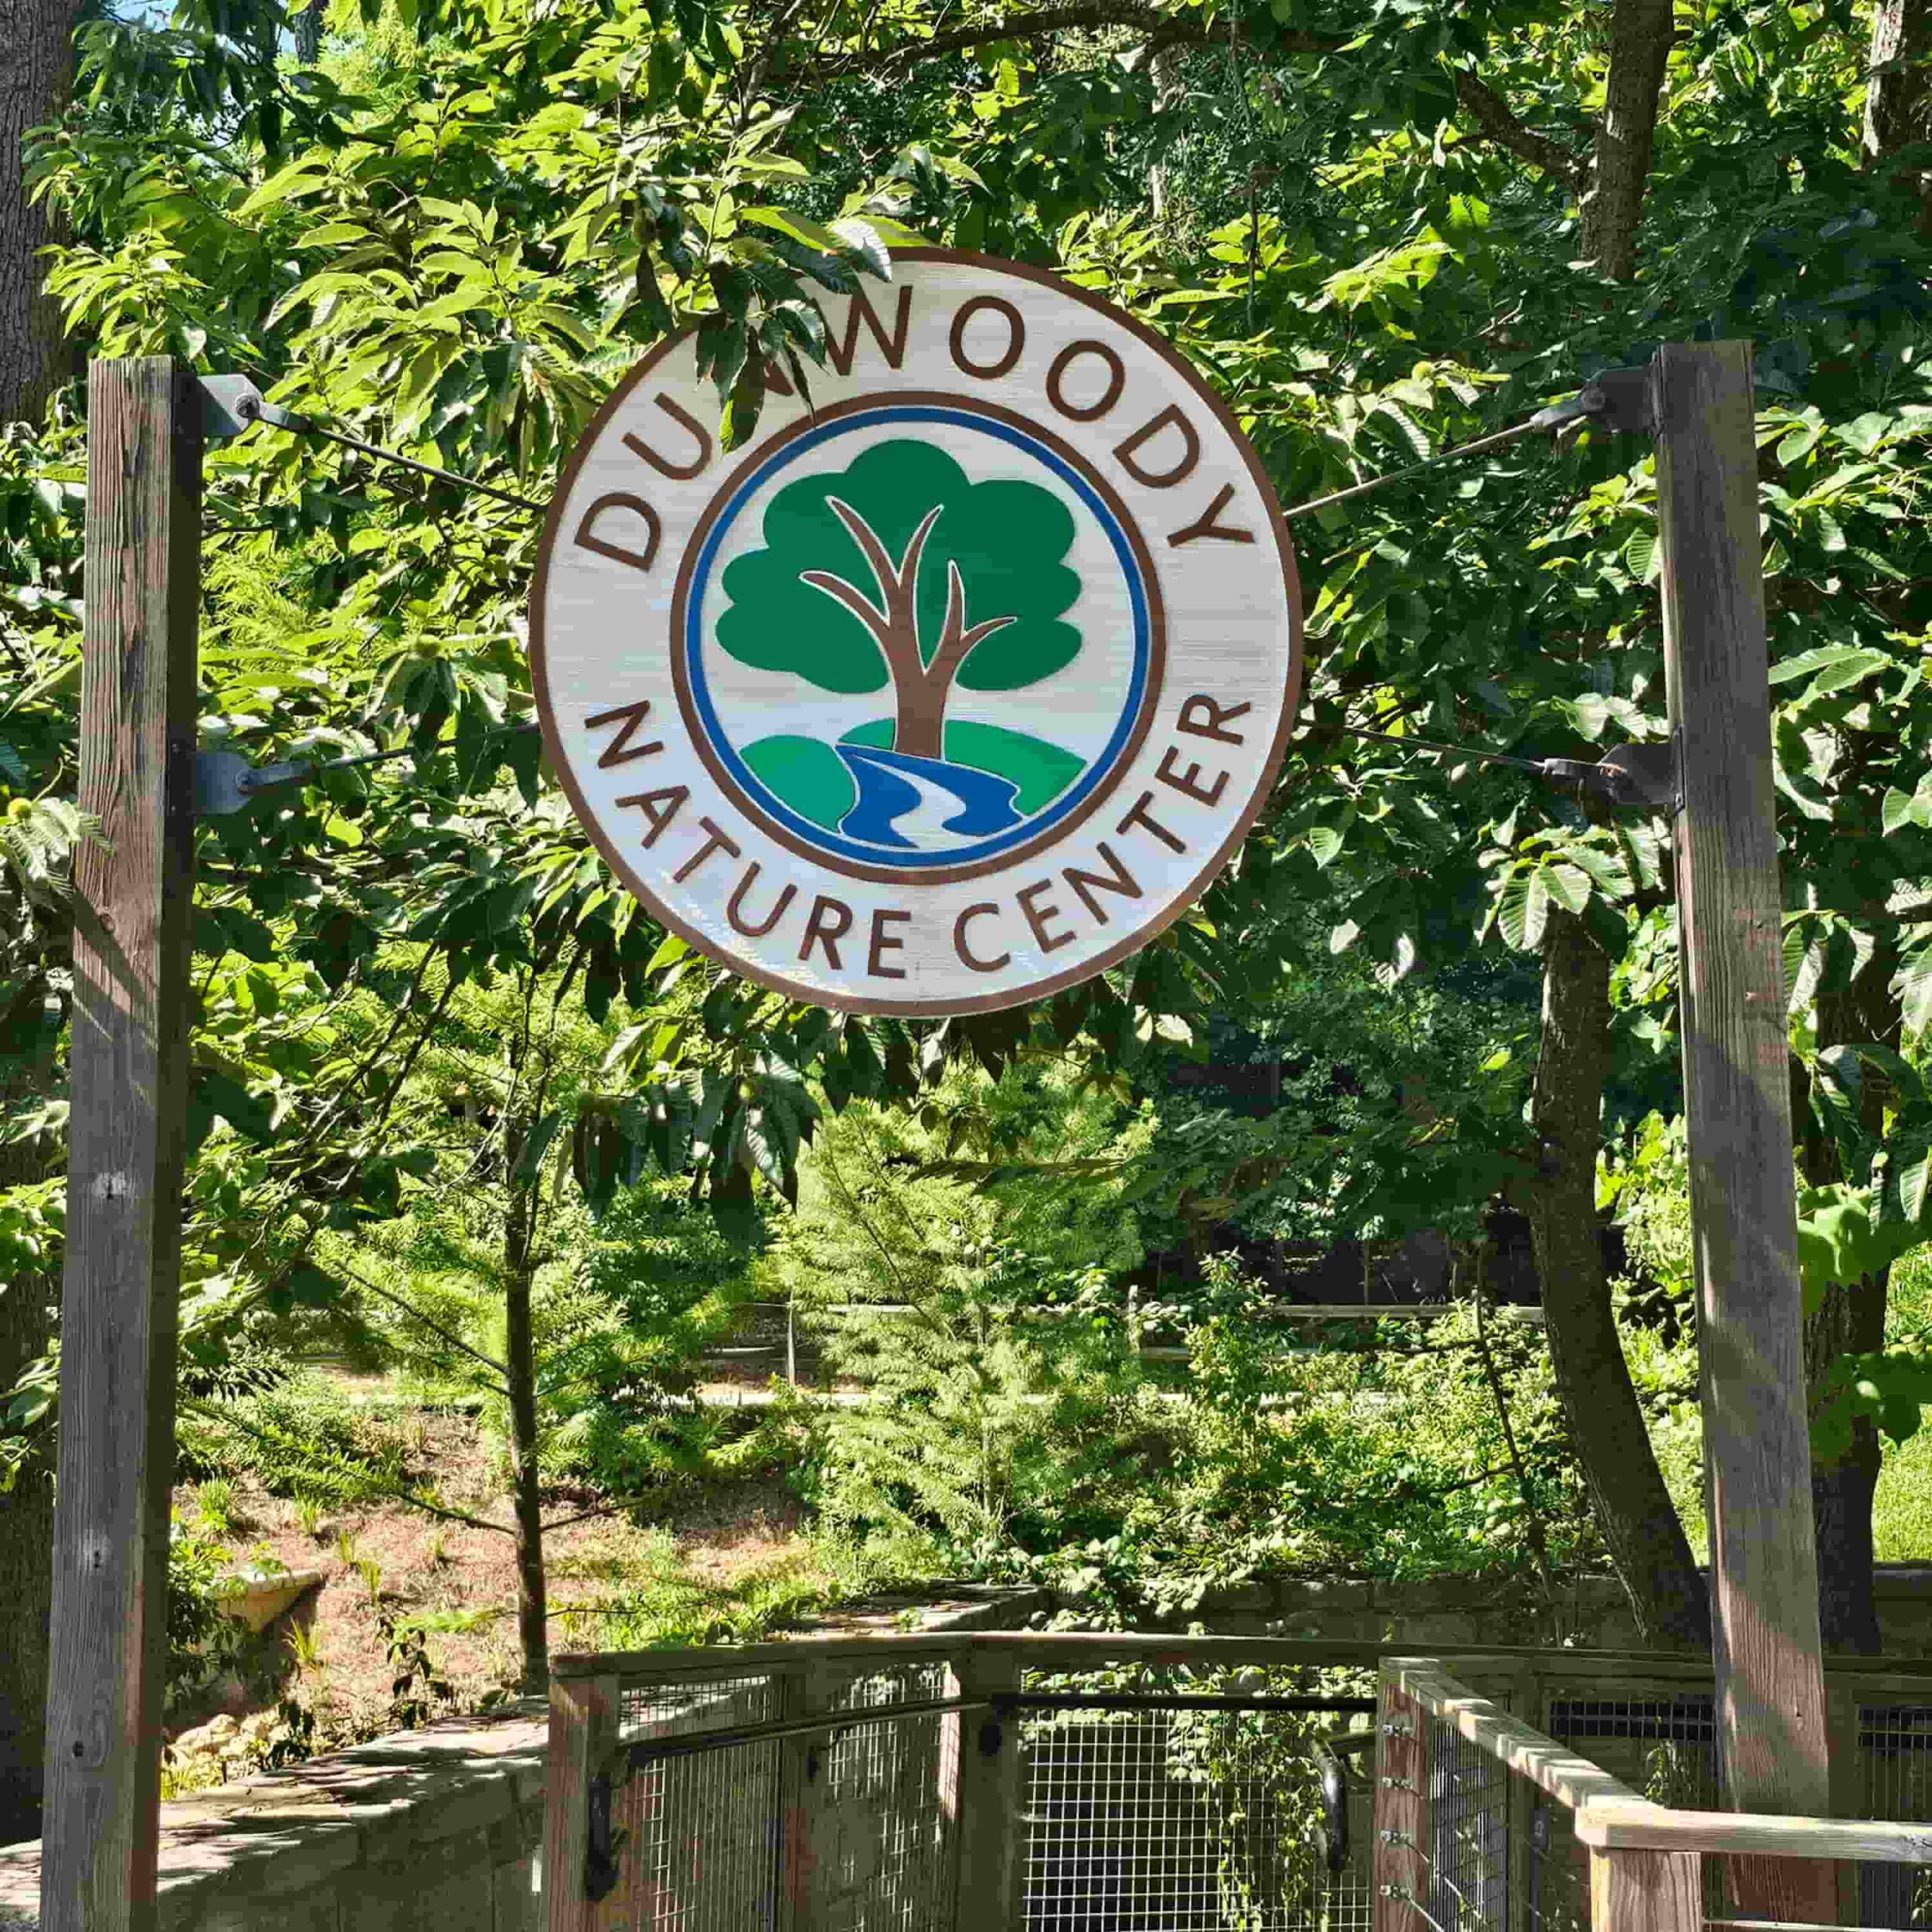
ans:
(464, 1118)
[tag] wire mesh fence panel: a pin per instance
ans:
(1183, 1820)
(1662, 1744)
(1466, 1857)
(888, 1824)
(1895, 1753)
(701, 1852)
(680, 1709)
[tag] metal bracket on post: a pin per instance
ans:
(1618, 400)
(226, 782)
(233, 404)
(1648, 775)
(601, 1871)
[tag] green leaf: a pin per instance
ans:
(670, 949)
(300, 177)
(1837, 664)
(531, 1161)
(1912, 982)
(861, 239)
(800, 227)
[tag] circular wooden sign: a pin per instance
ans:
(952, 689)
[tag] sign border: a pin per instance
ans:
(833, 999)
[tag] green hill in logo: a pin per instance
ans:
(811, 777)
(898, 572)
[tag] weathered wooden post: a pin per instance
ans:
(1770, 1697)
(585, 1715)
(133, 888)
(986, 1797)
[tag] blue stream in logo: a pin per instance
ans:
(976, 834)
(891, 784)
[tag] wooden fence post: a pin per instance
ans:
(132, 935)
(1399, 1863)
(1646, 1891)
(585, 1714)
(1770, 1704)
(807, 1845)
(988, 1797)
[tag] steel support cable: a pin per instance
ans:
(307, 426)
(225, 782)
(1616, 398)
(1537, 765)
(235, 402)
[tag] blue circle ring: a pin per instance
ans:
(708, 728)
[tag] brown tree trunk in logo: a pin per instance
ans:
(920, 686)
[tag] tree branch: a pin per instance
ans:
(861, 606)
(587, 1516)
(224, 1416)
(871, 548)
(956, 641)
(1162, 29)
(1640, 32)
(1496, 121)
(498, 1371)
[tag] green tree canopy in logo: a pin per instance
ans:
(898, 571)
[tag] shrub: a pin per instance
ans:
(202, 1642)
(305, 1440)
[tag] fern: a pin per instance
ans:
(38, 839)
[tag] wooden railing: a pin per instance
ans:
(850, 1782)
(1484, 1824)
(940, 1782)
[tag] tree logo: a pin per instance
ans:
(955, 684)
(953, 602)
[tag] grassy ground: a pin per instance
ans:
(1901, 1509)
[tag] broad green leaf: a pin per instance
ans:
(800, 228)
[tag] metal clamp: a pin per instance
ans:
(233, 404)
(601, 1871)
(1334, 1831)
(1620, 401)
(1648, 775)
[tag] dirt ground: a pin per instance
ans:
(612, 1581)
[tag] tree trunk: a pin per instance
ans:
(520, 1358)
(1165, 69)
(1898, 96)
(28, 1317)
(308, 29)
(919, 728)
(26, 1573)
(36, 72)
(1628, 1496)
(1640, 38)
(1633, 1510)
(1849, 1318)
